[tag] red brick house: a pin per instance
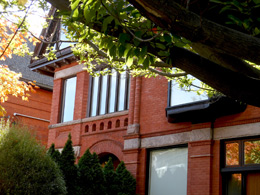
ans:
(35, 113)
(202, 147)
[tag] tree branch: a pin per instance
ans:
(103, 54)
(18, 28)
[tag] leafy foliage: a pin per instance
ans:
(91, 179)
(240, 14)
(10, 84)
(13, 41)
(25, 168)
(68, 167)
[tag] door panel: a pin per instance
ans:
(253, 184)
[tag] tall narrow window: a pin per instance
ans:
(94, 96)
(109, 93)
(69, 92)
(112, 91)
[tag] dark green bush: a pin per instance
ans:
(127, 183)
(111, 179)
(25, 168)
(91, 179)
(54, 154)
(68, 167)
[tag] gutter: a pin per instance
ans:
(27, 116)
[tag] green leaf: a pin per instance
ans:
(107, 21)
(146, 62)
(228, 7)
(137, 52)
(75, 13)
(75, 4)
(88, 14)
(256, 31)
(112, 51)
(160, 46)
(123, 37)
(136, 42)
(121, 50)
(167, 38)
(143, 52)
(128, 47)
(256, 1)
(163, 53)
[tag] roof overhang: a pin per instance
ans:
(204, 111)
(47, 67)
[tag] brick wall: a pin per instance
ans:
(38, 107)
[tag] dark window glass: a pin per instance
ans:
(234, 184)
(109, 94)
(69, 92)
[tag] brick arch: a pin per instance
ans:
(108, 146)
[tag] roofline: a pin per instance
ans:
(41, 85)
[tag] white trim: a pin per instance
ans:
(68, 71)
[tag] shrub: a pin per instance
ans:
(127, 183)
(54, 154)
(25, 168)
(111, 179)
(68, 167)
(91, 179)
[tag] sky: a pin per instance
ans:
(36, 18)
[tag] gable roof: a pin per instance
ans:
(20, 64)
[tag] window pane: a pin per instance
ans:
(252, 152)
(69, 99)
(94, 98)
(234, 184)
(181, 96)
(103, 95)
(121, 95)
(232, 154)
(112, 97)
(168, 171)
